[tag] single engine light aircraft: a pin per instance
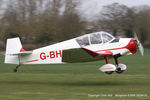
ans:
(89, 47)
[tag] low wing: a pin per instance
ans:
(83, 55)
(98, 53)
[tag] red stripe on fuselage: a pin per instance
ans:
(130, 46)
(31, 61)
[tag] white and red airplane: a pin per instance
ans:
(89, 47)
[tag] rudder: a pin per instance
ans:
(13, 46)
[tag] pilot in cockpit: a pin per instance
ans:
(96, 39)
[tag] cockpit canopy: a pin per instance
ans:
(94, 38)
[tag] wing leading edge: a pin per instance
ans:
(83, 55)
(98, 53)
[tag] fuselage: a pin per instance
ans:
(54, 53)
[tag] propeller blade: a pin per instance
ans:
(141, 49)
(135, 36)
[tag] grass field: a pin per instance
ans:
(80, 81)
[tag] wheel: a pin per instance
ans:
(109, 73)
(119, 71)
(15, 70)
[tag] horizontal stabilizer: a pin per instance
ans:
(22, 52)
(14, 50)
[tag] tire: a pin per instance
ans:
(119, 71)
(15, 70)
(109, 73)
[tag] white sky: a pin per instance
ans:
(92, 7)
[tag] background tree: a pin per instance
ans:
(142, 23)
(44, 22)
(71, 25)
(112, 17)
(38, 21)
(119, 19)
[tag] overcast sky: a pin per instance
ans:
(92, 7)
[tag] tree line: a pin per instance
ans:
(43, 22)
(118, 19)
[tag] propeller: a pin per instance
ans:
(141, 49)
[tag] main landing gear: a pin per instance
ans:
(109, 72)
(16, 69)
(110, 68)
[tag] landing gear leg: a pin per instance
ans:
(118, 70)
(107, 62)
(116, 60)
(16, 69)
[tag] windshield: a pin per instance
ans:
(107, 37)
(83, 40)
(94, 38)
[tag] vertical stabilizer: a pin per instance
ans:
(13, 46)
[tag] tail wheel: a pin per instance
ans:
(109, 73)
